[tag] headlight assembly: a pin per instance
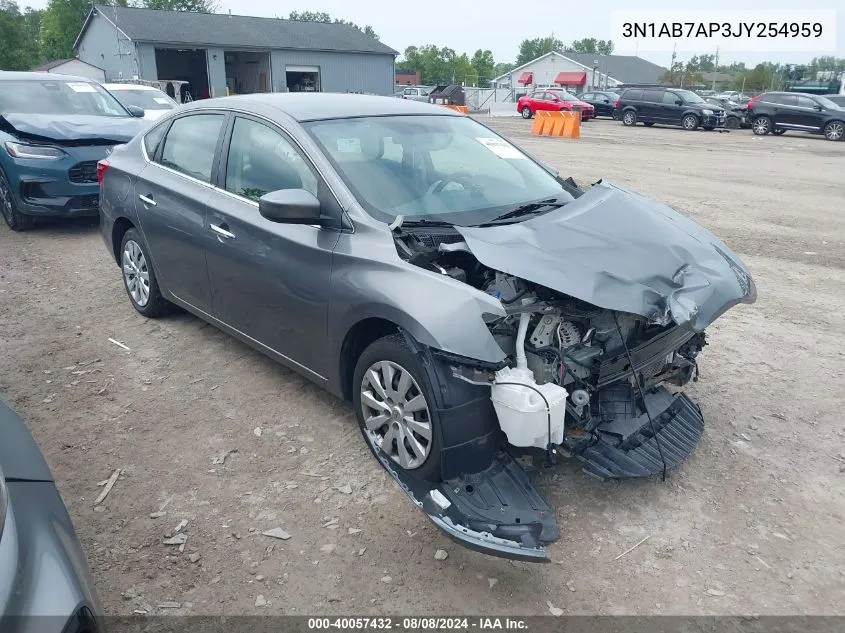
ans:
(22, 150)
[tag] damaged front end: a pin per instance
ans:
(605, 303)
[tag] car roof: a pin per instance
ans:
(6, 75)
(130, 87)
(315, 106)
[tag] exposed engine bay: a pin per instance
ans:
(567, 382)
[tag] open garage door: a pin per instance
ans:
(248, 72)
(185, 64)
(303, 78)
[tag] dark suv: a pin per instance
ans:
(778, 112)
(669, 106)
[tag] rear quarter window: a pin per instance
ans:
(152, 140)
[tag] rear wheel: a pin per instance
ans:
(690, 122)
(395, 407)
(629, 117)
(761, 125)
(16, 220)
(834, 131)
(139, 278)
(526, 112)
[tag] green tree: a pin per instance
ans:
(322, 16)
(61, 24)
(18, 51)
(591, 45)
(532, 49)
(32, 19)
(483, 64)
(197, 6)
(502, 67)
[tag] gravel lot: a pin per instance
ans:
(752, 523)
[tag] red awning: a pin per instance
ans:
(571, 79)
(526, 78)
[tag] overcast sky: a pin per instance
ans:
(467, 25)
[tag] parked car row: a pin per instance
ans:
(771, 112)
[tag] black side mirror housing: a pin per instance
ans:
(819, 108)
(135, 111)
(291, 206)
(679, 102)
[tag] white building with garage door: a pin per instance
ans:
(219, 54)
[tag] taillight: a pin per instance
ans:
(102, 166)
(618, 101)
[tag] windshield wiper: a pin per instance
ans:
(525, 209)
(423, 222)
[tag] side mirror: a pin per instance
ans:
(290, 206)
(818, 107)
(135, 111)
(679, 102)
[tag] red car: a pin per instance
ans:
(553, 99)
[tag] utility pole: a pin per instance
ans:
(715, 69)
(672, 64)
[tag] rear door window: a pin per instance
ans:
(191, 144)
(805, 102)
(653, 96)
(632, 95)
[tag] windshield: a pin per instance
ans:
(827, 103)
(146, 99)
(437, 168)
(689, 96)
(58, 97)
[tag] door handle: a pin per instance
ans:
(221, 231)
(147, 200)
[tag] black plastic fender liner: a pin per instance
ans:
(521, 543)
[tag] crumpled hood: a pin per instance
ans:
(619, 250)
(76, 127)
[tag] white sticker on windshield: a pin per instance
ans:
(499, 147)
(80, 86)
(162, 100)
(349, 145)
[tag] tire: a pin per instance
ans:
(761, 125)
(779, 131)
(732, 123)
(139, 279)
(690, 122)
(629, 117)
(649, 123)
(16, 220)
(526, 112)
(375, 400)
(835, 131)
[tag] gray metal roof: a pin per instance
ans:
(625, 68)
(237, 31)
(313, 106)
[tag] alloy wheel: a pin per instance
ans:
(628, 118)
(690, 122)
(396, 415)
(136, 274)
(834, 131)
(761, 125)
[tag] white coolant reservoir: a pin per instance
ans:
(522, 412)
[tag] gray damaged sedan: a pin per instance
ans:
(478, 310)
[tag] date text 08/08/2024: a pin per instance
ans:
(722, 29)
(417, 623)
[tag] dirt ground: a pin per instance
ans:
(752, 523)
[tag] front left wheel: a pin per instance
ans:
(139, 278)
(690, 122)
(834, 131)
(16, 220)
(394, 404)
